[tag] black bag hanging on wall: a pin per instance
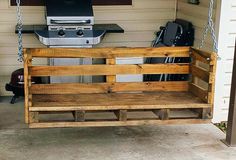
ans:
(176, 33)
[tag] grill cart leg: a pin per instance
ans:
(13, 99)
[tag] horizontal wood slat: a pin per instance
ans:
(109, 69)
(52, 107)
(205, 54)
(110, 52)
(77, 88)
(199, 92)
(116, 101)
(200, 73)
(117, 123)
(200, 58)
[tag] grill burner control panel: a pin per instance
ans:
(62, 33)
(70, 37)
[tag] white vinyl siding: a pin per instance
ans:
(227, 35)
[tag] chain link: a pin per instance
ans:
(210, 26)
(19, 29)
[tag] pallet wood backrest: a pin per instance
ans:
(111, 69)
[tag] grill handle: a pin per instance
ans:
(70, 21)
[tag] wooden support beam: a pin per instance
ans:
(163, 114)
(33, 117)
(27, 63)
(121, 115)
(79, 116)
(117, 123)
(231, 128)
(111, 78)
(205, 113)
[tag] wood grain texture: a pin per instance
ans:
(117, 123)
(211, 87)
(121, 115)
(199, 92)
(120, 97)
(209, 58)
(111, 78)
(27, 62)
(206, 54)
(174, 68)
(78, 88)
(110, 52)
(116, 101)
(200, 58)
(200, 73)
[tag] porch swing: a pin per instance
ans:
(123, 99)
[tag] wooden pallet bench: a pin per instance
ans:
(114, 103)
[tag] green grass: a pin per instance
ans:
(222, 126)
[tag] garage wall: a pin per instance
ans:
(140, 21)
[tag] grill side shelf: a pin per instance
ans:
(109, 28)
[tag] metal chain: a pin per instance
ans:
(210, 26)
(19, 29)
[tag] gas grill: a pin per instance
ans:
(70, 24)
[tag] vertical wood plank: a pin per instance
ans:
(33, 117)
(193, 62)
(112, 78)
(27, 62)
(79, 116)
(205, 113)
(211, 83)
(231, 126)
(163, 114)
(121, 115)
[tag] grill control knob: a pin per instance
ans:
(80, 33)
(61, 33)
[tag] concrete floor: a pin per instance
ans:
(182, 142)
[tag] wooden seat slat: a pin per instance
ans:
(115, 101)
